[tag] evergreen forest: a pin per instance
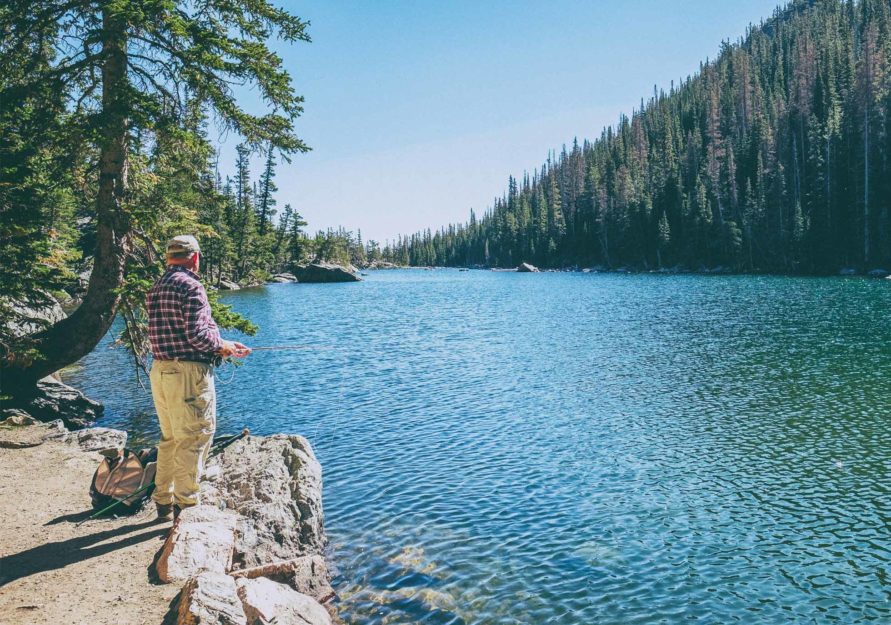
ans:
(774, 157)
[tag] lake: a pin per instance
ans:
(503, 448)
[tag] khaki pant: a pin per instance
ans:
(186, 403)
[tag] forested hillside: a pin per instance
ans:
(774, 157)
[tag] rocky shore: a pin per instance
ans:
(251, 553)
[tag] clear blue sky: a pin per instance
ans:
(418, 111)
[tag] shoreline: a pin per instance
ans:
(258, 534)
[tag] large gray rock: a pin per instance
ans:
(527, 268)
(30, 317)
(275, 483)
(265, 601)
(210, 599)
(51, 400)
(284, 277)
(228, 285)
(202, 540)
(325, 272)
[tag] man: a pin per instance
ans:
(185, 340)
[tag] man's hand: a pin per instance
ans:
(234, 349)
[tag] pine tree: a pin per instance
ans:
(128, 69)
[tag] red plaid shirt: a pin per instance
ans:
(179, 319)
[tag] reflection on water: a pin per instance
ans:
(577, 448)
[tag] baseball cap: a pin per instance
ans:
(182, 245)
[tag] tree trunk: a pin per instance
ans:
(72, 338)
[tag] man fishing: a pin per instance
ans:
(185, 341)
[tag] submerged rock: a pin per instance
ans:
(527, 268)
(325, 272)
(275, 484)
(210, 598)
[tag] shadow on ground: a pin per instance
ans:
(58, 555)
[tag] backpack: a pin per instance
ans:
(117, 478)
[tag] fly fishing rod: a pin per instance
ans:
(270, 348)
(215, 449)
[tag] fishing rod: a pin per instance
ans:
(267, 348)
(215, 449)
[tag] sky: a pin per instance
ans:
(417, 112)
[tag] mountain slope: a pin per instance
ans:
(774, 157)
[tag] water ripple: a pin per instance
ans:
(577, 448)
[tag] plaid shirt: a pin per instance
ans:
(180, 324)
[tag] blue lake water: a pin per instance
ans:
(503, 448)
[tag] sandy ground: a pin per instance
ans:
(55, 573)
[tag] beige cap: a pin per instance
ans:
(182, 245)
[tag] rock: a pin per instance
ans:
(284, 277)
(878, 273)
(51, 400)
(527, 268)
(15, 437)
(307, 575)
(325, 272)
(210, 598)
(382, 264)
(15, 417)
(93, 439)
(30, 317)
(847, 271)
(275, 483)
(228, 285)
(265, 601)
(202, 540)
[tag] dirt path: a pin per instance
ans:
(54, 573)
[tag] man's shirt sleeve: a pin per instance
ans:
(200, 329)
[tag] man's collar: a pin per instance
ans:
(183, 268)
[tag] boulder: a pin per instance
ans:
(30, 317)
(275, 484)
(228, 285)
(878, 273)
(847, 271)
(527, 268)
(92, 439)
(325, 272)
(202, 540)
(14, 417)
(284, 277)
(307, 575)
(210, 598)
(51, 400)
(17, 437)
(265, 601)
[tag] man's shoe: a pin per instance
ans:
(176, 511)
(165, 511)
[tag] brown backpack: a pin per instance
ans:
(124, 477)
